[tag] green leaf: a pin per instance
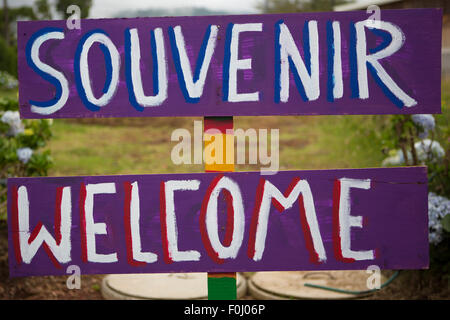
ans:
(446, 223)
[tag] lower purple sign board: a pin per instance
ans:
(344, 219)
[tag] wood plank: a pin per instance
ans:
(234, 65)
(381, 213)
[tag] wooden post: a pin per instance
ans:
(221, 286)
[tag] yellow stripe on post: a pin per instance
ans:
(219, 152)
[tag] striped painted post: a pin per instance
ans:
(221, 286)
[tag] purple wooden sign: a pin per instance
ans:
(241, 221)
(281, 64)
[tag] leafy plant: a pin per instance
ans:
(21, 143)
(416, 140)
(7, 81)
(446, 223)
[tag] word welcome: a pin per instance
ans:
(296, 64)
(330, 219)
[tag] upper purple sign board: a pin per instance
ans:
(246, 65)
(219, 222)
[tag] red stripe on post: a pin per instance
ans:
(218, 123)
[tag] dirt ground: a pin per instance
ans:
(408, 285)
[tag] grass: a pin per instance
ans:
(5, 93)
(305, 143)
(311, 142)
(321, 142)
(96, 149)
(141, 146)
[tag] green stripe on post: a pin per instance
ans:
(222, 287)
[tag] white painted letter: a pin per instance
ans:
(211, 220)
(29, 247)
(49, 107)
(138, 255)
(170, 219)
(346, 221)
(338, 86)
(84, 69)
(194, 87)
(93, 228)
(398, 38)
(270, 193)
(160, 63)
(240, 64)
(288, 49)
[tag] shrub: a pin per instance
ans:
(418, 140)
(8, 57)
(7, 81)
(21, 147)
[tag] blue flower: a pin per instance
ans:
(423, 134)
(24, 154)
(438, 208)
(15, 124)
(426, 121)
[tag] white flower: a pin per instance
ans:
(426, 150)
(24, 154)
(7, 80)
(15, 124)
(393, 161)
(396, 159)
(429, 150)
(11, 117)
(15, 129)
